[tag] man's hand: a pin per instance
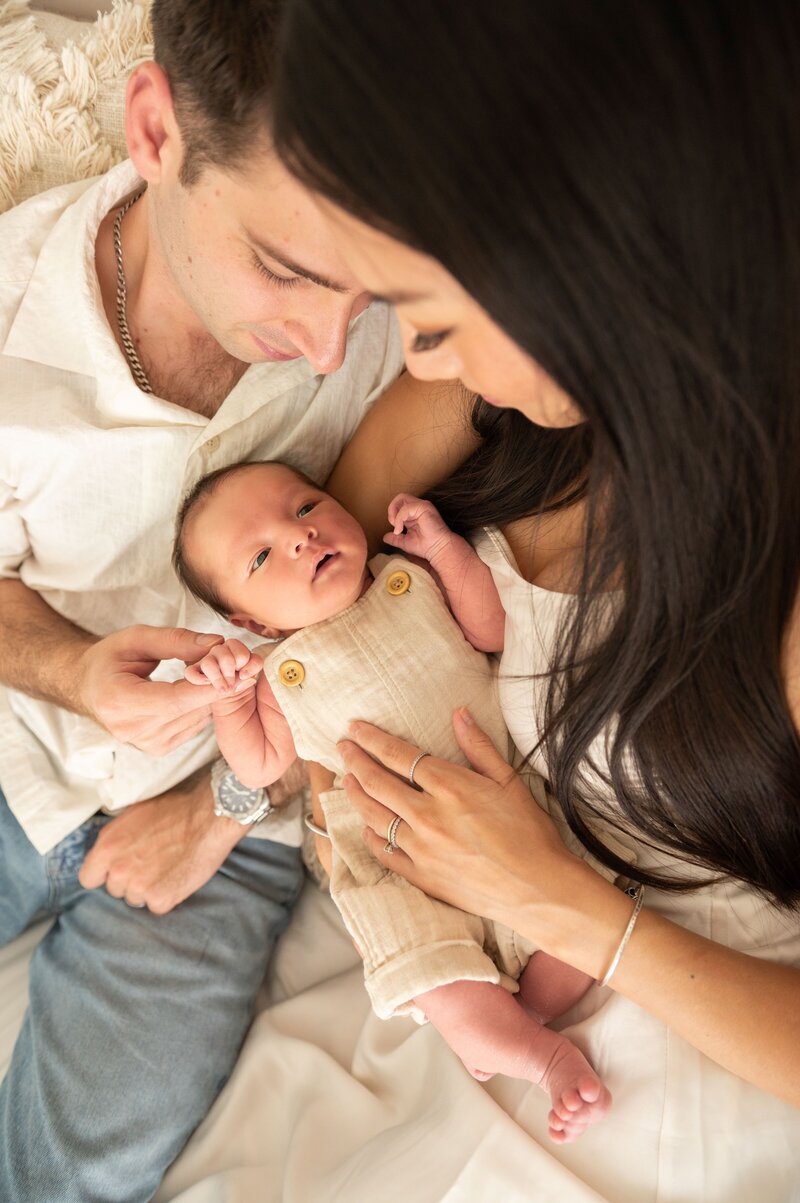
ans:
(115, 689)
(159, 852)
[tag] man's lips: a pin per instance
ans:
(272, 352)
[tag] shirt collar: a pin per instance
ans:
(60, 321)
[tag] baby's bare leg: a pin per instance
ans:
(492, 1033)
(548, 987)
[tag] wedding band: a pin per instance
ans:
(421, 756)
(391, 842)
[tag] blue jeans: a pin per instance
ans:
(134, 1019)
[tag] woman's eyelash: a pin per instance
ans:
(281, 281)
(428, 342)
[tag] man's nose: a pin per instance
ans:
(321, 333)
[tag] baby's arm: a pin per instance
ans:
(252, 732)
(418, 529)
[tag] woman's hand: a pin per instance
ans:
(476, 839)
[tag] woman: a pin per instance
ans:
(587, 212)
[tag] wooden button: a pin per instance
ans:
(399, 582)
(292, 673)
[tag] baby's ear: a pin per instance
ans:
(254, 627)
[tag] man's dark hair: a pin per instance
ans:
(219, 61)
(200, 586)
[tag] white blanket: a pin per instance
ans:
(328, 1104)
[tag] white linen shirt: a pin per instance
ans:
(91, 474)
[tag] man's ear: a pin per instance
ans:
(154, 140)
(255, 628)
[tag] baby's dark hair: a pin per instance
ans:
(200, 587)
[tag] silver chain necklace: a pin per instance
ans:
(135, 364)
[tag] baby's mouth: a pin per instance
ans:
(322, 562)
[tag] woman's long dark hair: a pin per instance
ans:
(617, 182)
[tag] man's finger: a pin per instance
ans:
(163, 643)
(169, 699)
(479, 749)
(94, 870)
(175, 733)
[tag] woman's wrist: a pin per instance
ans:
(581, 922)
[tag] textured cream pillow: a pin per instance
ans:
(62, 89)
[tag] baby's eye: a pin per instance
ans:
(260, 558)
(306, 509)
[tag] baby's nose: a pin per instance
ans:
(303, 541)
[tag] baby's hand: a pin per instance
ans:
(417, 528)
(230, 667)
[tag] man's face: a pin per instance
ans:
(250, 254)
(279, 551)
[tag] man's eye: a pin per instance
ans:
(273, 277)
(306, 509)
(428, 342)
(260, 558)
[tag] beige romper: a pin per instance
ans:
(396, 658)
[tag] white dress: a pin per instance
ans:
(681, 1129)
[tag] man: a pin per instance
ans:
(146, 338)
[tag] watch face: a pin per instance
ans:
(237, 799)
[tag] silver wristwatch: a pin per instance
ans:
(232, 800)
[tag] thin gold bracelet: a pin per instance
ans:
(626, 935)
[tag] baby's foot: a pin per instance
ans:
(578, 1096)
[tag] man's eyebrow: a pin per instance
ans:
(295, 268)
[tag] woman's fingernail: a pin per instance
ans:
(354, 727)
(466, 717)
(207, 640)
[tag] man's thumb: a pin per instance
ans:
(191, 646)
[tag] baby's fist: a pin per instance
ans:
(417, 528)
(230, 667)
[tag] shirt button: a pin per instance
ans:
(292, 673)
(212, 444)
(399, 582)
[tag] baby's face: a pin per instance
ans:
(279, 551)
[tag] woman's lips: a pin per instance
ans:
(272, 352)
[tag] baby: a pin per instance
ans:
(276, 555)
